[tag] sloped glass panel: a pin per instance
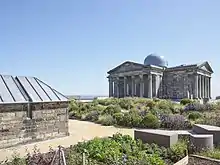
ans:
(48, 90)
(39, 90)
(62, 98)
(16, 93)
(4, 93)
(28, 88)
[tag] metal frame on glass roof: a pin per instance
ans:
(21, 89)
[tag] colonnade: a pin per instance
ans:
(202, 86)
(145, 85)
(148, 85)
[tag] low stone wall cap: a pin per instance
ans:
(208, 127)
(157, 131)
(201, 136)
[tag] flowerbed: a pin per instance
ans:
(120, 150)
(146, 113)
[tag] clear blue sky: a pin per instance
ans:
(71, 44)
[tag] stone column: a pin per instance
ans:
(117, 87)
(196, 87)
(150, 85)
(132, 85)
(160, 86)
(125, 86)
(204, 88)
(156, 85)
(141, 86)
(209, 88)
(200, 86)
(110, 86)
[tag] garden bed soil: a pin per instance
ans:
(199, 160)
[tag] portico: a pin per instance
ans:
(202, 86)
(142, 85)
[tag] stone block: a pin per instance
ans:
(159, 137)
(208, 129)
(20, 114)
(199, 142)
(46, 122)
(182, 133)
(63, 117)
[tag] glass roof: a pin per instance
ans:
(22, 89)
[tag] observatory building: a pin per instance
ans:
(154, 79)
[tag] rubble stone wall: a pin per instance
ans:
(177, 84)
(46, 121)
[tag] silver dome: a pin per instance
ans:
(153, 59)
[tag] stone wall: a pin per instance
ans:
(45, 121)
(176, 84)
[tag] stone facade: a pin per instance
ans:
(132, 79)
(23, 123)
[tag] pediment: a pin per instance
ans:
(126, 66)
(206, 67)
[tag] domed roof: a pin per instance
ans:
(153, 59)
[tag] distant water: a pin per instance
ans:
(85, 97)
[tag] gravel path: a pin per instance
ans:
(79, 131)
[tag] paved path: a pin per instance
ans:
(79, 131)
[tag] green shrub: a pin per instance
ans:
(119, 118)
(150, 103)
(16, 161)
(135, 118)
(127, 121)
(150, 121)
(156, 111)
(111, 109)
(98, 107)
(112, 150)
(138, 100)
(165, 106)
(118, 149)
(212, 119)
(73, 106)
(108, 101)
(217, 105)
(130, 119)
(92, 116)
(106, 120)
(177, 151)
(194, 115)
(186, 101)
(145, 159)
(126, 103)
(156, 99)
(215, 153)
